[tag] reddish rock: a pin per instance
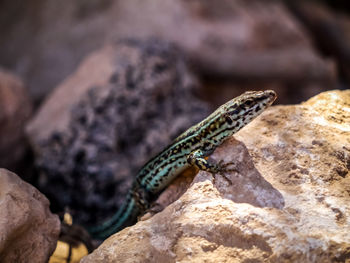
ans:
(28, 230)
(15, 110)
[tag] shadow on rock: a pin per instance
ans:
(248, 185)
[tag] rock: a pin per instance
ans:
(15, 110)
(125, 103)
(330, 31)
(288, 202)
(28, 230)
(257, 40)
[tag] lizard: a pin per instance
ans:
(189, 149)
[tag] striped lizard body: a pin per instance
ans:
(189, 149)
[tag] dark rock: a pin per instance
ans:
(92, 140)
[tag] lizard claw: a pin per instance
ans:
(223, 168)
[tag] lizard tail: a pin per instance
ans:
(125, 216)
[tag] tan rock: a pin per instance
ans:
(288, 202)
(15, 110)
(28, 230)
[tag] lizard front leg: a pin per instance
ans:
(197, 158)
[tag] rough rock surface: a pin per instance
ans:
(28, 230)
(15, 110)
(125, 102)
(288, 202)
(246, 39)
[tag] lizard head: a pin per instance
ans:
(233, 115)
(241, 110)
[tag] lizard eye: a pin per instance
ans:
(249, 102)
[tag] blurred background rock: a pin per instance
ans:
(254, 43)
